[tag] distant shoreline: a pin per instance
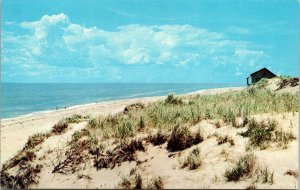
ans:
(42, 112)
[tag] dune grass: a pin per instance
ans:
(193, 160)
(261, 134)
(243, 168)
(189, 110)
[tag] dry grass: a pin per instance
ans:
(35, 140)
(60, 127)
(121, 153)
(158, 138)
(156, 183)
(74, 157)
(26, 175)
(288, 81)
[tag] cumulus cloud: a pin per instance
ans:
(55, 42)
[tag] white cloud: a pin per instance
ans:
(55, 42)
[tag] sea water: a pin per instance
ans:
(24, 98)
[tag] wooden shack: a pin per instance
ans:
(262, 73)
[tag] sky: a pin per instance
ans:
(153, 41)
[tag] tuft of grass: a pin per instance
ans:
(76, 118)
(181, 138)
(225, 139)
(133, 107)
(158, 138)
(125, 129)
(267, 176)
(173, 100)
(292, 173)
(252, 186)
(141, 124)
(34, 140)
(133, 181)
(124, 152)
(125, 183)
(156, 183)
(283, 138)
(244, 167)
(193, 160)
(262, 83)
(260, 134)
(60, 127)
(92, 123)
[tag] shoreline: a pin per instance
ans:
(16, 131)
(34, 113)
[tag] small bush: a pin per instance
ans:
(171, 99)
(181, 138)
(193, 160)
(244, 167)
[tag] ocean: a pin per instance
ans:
(24, 98)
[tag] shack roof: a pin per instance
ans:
(261, 71)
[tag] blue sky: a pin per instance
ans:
(204, 41)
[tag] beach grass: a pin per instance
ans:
(166, 114)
